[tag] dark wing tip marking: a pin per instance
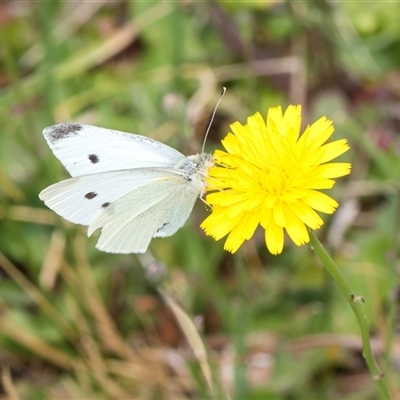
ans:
(94, 158)
(106, 204)
(90, 195)
(61, 131)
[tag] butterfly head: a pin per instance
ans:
(201, 164)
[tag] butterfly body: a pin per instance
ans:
(132, 187)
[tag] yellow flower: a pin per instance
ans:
(271, 176)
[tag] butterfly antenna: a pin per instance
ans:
(212, 118)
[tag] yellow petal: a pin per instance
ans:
(274, 238)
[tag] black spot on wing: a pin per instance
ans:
(105, 205)
(94, 158)
(165, 225)
(61, 131)
(90, 195)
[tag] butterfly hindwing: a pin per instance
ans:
(157, 209)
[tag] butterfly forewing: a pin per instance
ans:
(86, 149)
(81, 199)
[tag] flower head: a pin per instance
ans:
(271, 176)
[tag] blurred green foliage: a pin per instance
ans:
(78, 323)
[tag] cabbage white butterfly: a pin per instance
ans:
(132, 187)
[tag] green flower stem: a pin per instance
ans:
(356, 304)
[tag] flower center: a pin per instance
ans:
(273, 181)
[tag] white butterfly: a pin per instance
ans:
(132, 187)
